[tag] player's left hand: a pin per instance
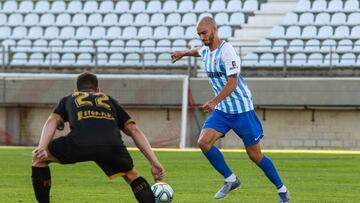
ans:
(157, 171)
(40, 153)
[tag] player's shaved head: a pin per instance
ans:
(87, 81)
(208, 21)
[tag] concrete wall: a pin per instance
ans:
(296, 113)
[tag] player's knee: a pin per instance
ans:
(131, 176)
(204, 145)
(255, 157)
(38, 162)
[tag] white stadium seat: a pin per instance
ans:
(47, 19)
(170, 6)
(35, 33)
(126, 19)
(101, 59)
(335, 5)
(145, 32)
(82, 32)
(122, 7)
(344, 45)
(290, 18)
(63, 19)
(234, 6)
(189, 19)
(157, 19)
(98, 33)
(110, 19)
(36, 59)
(218, 6)
(161, 32)
(84, 59)
(55, 45)
(306, 19)
(23, 45)
(31, 19)
(79, 19)
(202, 6)
(137, 7)
(71, 46)
(94, 19)
(319, 5)
(102, 45)
(90, 6)
(186, 6)
(221, 19)
(52, 59)
(106, 7)
(58, 7)
(10, 6)
(338, 19)
(266, 59)
(26, 6)
(74, 7)
(142, 19)
(40, 45)
(19, 59)
(51, 32)
(86, 46)
(116, 59)
(153, 6)
(68, 59)
(113, 33)
(173, 19)
(116, 46)
(315, 59)
(15, 19)
(129, 32)
(148, 45)
(309, 32)
(351, 5)
(19, 32)
(237, 19)
(279, 45)
(67, 32)
(322, 19)
(296, 45)
(303, 5)
(176, 32)
(313, 45)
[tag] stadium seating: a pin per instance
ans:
(314, 31)
(62, 26)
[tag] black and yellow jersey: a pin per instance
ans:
(94, 117)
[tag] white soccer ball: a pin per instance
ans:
(163, 192)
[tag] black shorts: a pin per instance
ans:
(113, 160)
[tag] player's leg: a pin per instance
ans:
(267, 166)
(249, 128)
(206, 142)
(214, 128)
(115, 162)
(41, 178)
(140, 187)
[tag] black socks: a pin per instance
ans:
(41, 180)
(142, 190)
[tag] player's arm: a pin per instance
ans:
(226, 91)
(47, 134)
(177, 55)
(143, 144)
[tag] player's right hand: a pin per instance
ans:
(157, 171)
(176, 56)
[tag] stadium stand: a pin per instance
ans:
(74, 30)
(313, 33)
(299, 33)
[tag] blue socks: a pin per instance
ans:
(270, 171)
(217, 160)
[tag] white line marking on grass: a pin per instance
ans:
(295, 151)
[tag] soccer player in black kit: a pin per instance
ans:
(95, 121)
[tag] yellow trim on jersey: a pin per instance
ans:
(129, 121)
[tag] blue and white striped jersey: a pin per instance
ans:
(219, 64)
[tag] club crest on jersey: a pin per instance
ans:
(216, 60)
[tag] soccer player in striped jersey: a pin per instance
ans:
(231, 108)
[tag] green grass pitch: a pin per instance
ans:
(311, 177)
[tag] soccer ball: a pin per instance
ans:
(163, 192)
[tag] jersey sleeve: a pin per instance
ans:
(202, 51)
(122, 116)
(231, 60)
(60, 113)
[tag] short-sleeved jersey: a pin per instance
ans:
(219, 64)
(94, 117)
